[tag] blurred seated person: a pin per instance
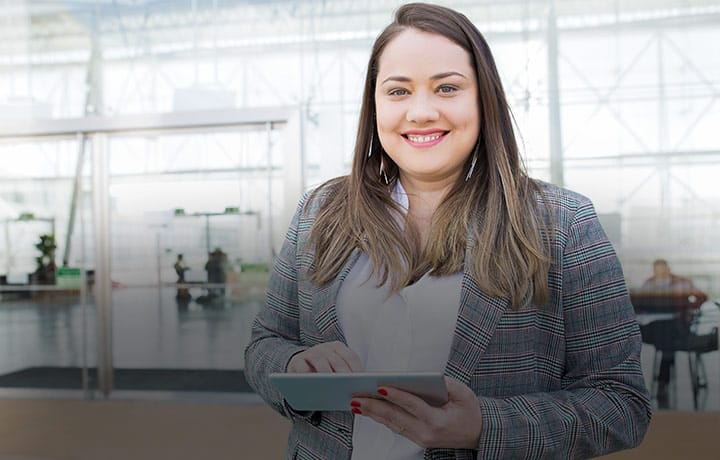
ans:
(664, 281)
(665, 289)
(665, 292)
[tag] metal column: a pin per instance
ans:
(556, 145)
(103, 284)
(74, 199)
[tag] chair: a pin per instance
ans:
(679, 334)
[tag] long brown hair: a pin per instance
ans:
(494, 215)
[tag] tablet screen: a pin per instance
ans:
(324, 391)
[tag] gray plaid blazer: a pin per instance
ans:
(561, 380)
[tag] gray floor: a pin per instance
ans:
(151, 331)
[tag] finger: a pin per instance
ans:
(409, 402)
(337, 363)
(352, 360)
(319, 364)
(298, 365)
(386, 413)
(458, 391)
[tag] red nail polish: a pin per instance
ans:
(355, 410)
(382, 391)
(355, 404)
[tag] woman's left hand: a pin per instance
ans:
(456, 424)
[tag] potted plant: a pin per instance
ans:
(45, 272)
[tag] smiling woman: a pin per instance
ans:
(438, 253)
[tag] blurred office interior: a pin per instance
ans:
(134, 131)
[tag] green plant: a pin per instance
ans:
(45, 272)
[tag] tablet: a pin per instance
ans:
(324, 391)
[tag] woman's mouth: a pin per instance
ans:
(424, 139)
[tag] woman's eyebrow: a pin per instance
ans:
(438, 76)
(452, 73)
(396, 78)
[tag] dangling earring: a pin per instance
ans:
(472, 167)
(382, 170)
(370, 149)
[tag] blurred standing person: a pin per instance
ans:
(180, 269)
(216, 267)
(183, 293)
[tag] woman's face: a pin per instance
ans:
(426, 101)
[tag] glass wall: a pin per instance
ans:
(616, 100)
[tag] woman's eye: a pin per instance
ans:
(446, 89)
(398, 92)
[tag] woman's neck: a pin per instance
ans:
(423, 200)
(425, 197)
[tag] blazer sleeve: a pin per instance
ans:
(602, 403)
(275, 332)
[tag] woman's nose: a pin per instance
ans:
(422, 110)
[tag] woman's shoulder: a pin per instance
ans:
(317, 197)
(559, 197)
(564, 205)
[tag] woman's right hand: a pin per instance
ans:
(330, 357)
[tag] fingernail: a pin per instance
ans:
(355, 410)
(382, 391)
(355, 403)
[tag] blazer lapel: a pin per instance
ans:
(324, 301)
(478, 316)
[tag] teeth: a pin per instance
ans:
(423, 139)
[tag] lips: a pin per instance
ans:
(424, 138)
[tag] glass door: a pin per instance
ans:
(47, 317)
(194, 220)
